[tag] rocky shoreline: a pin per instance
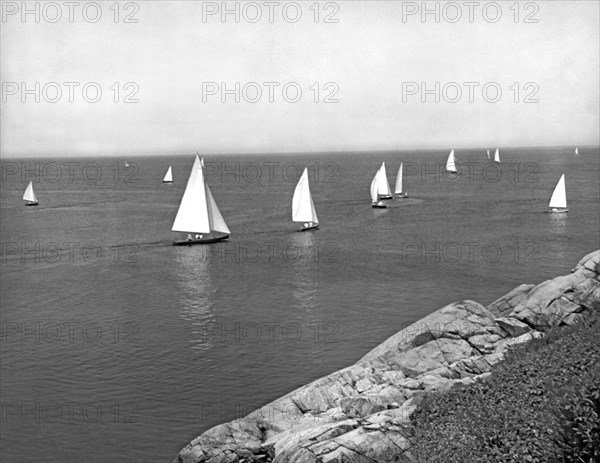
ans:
(362, 413)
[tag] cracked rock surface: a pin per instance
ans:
(361, 414)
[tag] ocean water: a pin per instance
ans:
(117, 344)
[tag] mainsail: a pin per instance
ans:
(29, 195)
(497, 155)
(375, 187)
(398, 188)
(559, 196)
(168, 176)
(450, 164)
(383, 185)
(303, 209)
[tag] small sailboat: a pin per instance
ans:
(558, 201)
(126, 164)
(451, 163)
(497, 155)
(303, 209)
(488, 154)
(168, 176)
(398, 190)
(384, 187)
(576, 151)
(29, 196)
(375, 202)
(198, 214)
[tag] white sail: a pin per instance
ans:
(559, 197)
(497, 155)
(375, 186)
(383, 185)
(217, 223)
(576, 151)
(303, 208)
(29, 195)
(451, 163)
(398, 188)
(488, 154)
(168, 176)
(192, 216)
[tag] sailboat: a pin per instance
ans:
(451, 163)
(558, 201)
(488, 154)
(576, 151)
(375, 202)
(384, 190)
(198, 213)
(126, 164)
(497, 156)
(168, 176)
(398, 189)
(29, 196)
(303, 209)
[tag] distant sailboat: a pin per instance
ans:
(558, 201)
(126, 164)
(168, 176)
(29, 196)
(198, 213)
(451, 163)
(384, 190)
(497, 155)
(576, 151)
(375, 191)
(303, 209)
(398, 189)
(488, 154)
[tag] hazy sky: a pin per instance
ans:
(370, 56)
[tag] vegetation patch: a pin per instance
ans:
(541, 404)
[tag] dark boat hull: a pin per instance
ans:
(313, 227)
(31, 204)
(200, 241)
(379, 206)
(386, 197)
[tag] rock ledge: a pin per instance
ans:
(360, 414)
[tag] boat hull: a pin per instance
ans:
(167, 181)
(31, 204)
(402, 195)
(200, 241)
(559, 211)
(379, 206)
(386, 197)
(312, 227)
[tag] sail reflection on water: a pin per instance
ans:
(196, 292)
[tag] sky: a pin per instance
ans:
(369, 74)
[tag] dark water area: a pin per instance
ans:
(117, 344)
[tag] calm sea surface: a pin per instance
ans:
(116, 344)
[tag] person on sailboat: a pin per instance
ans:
(198, 236)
